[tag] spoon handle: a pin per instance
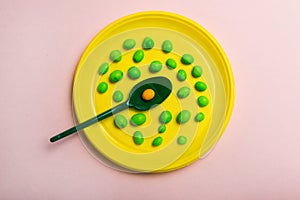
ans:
(89, 122)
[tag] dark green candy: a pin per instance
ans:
(129, 44)
(138, 138)
(138, 56)
(187, 59)
(102, 87)
(162, 128)
(157, 141)
(171, 63)
(148, 43)
(138, 119)
(167, 46)
(197, 71)
(115, 56)
(200, 86)
(103, 68)
(203, 101)
(115, 76)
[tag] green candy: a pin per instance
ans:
(181, 75)
(199, 117)
(187, 59)
(165, 117)
(138, 119)
(115, 56)
(120, 121)
(138, 138)
(118, 96)
(102, 87)
(103, 68)
(148, 43)
(115, 76)
(138, 56)
(167, 46)
(129, 44)
(134, 73)
(183, 92)
(200, 86)
(181, 140)
(171, 63)
(197, 71)
(162, 128)
(203, 101)
(183, 117)
(157, 141)
(155, 66)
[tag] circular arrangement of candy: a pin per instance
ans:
(164, 135)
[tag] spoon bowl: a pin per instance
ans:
(161, 86)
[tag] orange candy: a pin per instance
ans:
(148, 94)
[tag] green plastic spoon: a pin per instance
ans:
(161, 87)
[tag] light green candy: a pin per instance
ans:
(187, 59)
(155, 66)
(181, 75)
(129, 44)
(134, 73)
(120, 121)
(183, 117)
(148, 43)
(197, 71)
(181, 140)
(115, 56)
(103, 68)
(167, 46)
(165, 117)
(183, 92)
(118, 96)
(199, 117)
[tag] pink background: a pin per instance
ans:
(257, 158)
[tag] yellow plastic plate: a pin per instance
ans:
(182, 143)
